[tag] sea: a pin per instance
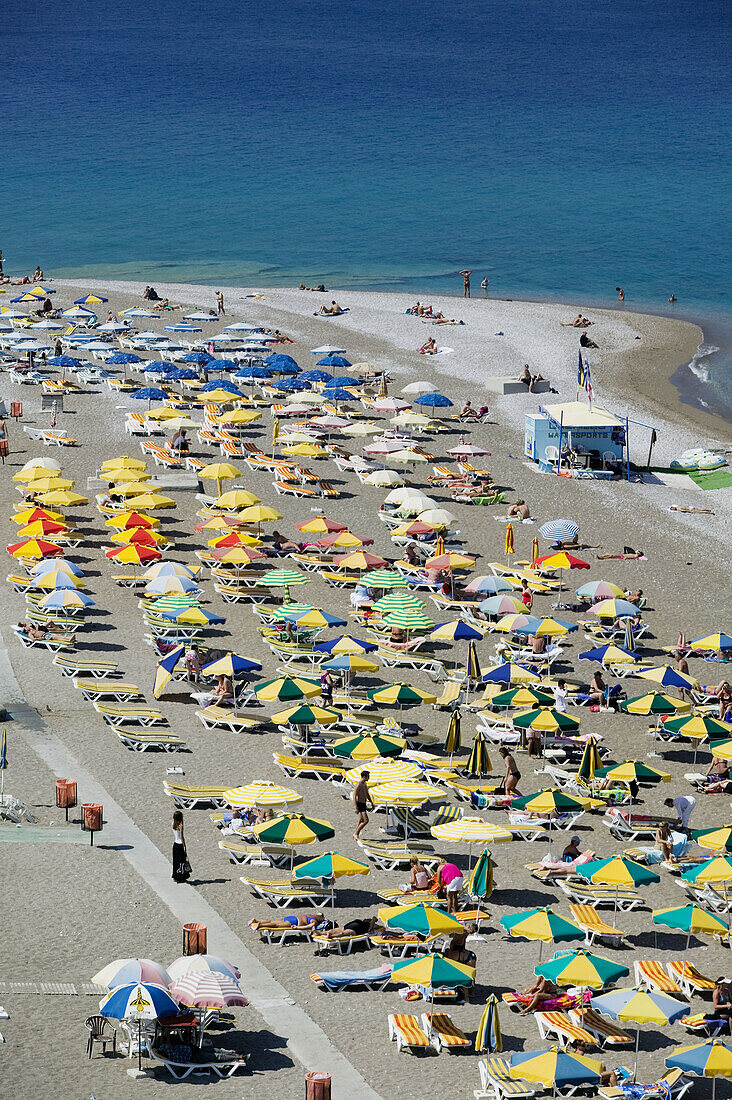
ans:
(558, 148)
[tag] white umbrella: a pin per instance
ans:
(383, 447)
(437, 517)
(48, 326)
(384, 477)
(400, 496)
(328, 349)
(417, 387)
(238, 326)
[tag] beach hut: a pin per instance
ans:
(596, 437)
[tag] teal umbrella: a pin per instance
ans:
(488, 1036)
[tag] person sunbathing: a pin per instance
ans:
(360, 926)
(281, 924)
(528, 379)
(483, 488)
(467, 412)
(429, 347)
(519, 510)
(543, 989)
(221, 694)
(578, 322)
(333, 310)
(33, 632)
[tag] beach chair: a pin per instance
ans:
(221, 1064)
(218, 717)
(626, 826)
(593, 926)
(187, 797)
(440, 1026)
(689, 980)
(334, 981)
(406, 1030)
(72, 665)
(54, 643)
(496, 1082)
(241, 852)
(342, 944)
(605, 1033)
(556, 1027)
(650, 975)
(118, 690)
(674, 1083)
(295, 768)
(282, 894)
(451, 697)
(390, 857)
(704, 1024)
(279, 937)
(127, 714)
(624, 898)
(142, 742)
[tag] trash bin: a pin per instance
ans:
(195, 938)
(92, 818)
(16, 409)
(66, 794)
(317, 1086)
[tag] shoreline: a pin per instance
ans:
(667, 345)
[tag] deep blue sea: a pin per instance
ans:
(560, 148)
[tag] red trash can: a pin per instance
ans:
(92, 820)
(66, 794)
(195, 938)
(317, 1086)
(16, 409)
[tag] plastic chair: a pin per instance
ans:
(97, 1026)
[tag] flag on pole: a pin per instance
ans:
(3, 750)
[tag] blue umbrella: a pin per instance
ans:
(222, 364)
(435, 400)
(184, 374)
(598, 654)
(559, 530)
(284, 368)
(333, 361)
(175, 615)
(338, 394)
(197, 357)
(532, 626)
(345, 380)
(279, 360)
(139, 1001)
(157, 368)
(327, 647)
(501, 674)
(238, 664)
(182, 326)
(222, 385)
(122, 358)
(298, 613)
(462, 632)
(149, 393)
(294, 385)
(253, 372)
(63, 361)
(317, 376)
(50, 564)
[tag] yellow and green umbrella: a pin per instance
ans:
(716, 870)
(523, 697)
(408, 619)
(479, 762)
(546, 720)
(368, 746)
(261, 792)
(543, 925)
(655, 702)
(590, 762)
(632, 771)
(306, 714)
(284, 689)
(401, 695)
(488, 1036)
(293, 829)
(582, 968)
(556, 1068)
(691, 919)
(617, 871)
(480, 883)
(433, 972)
(452, 740)
(698, 726)
(718, 838)
(423, 918)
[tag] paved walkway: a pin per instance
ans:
(305, 1040)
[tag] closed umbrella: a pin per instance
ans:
(452, 740)
(488, 1036)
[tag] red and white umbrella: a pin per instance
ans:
(202, 964)
(201, 989)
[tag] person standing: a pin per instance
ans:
(466, 281)
(361, 800)
(621, 293)
(181, 866)
(1, 263)
(220, 304)
(484, 286)
(560, 696)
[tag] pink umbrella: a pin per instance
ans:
(389, 404)
(204, 964)
(201, 989)
(331, 423)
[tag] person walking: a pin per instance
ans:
(220, 304)
(466, 281)
(181, 866)
(361, 800)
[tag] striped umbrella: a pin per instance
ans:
(231, 664)
(138, 1001)
(306, 714)
(31, 549)
(718, 838)
(172, 585)
(632, 771)
(134, 555)
(640, 1006)
(350, 663)
(401, 694)
(310, 617)
(479, 762)
(165, 668)
(556, 1068)
(343, 540)
(397, 601)
(384, 579)
(590, 761)
(614, 608)
(708, 1059)
(382, 770)
(543, 925)
(471, 830)
(293, 829)
(654, 702)
(559, 530)
(425, 919)
(600, 590)
(718, 642)
(582, 968)
(455, 631)
(668, 677)
(452, 740)
(480, 883)
(400, 792)
(691, 919)
(502, 604)
(546, 720)
(65, 598)
(129, 971)
(198, 989)
(610, 654)
(488, 1036)
(320, 525)
(283, 578)
(491, 585)
(617, 871)
(434, 972)
(523, 697)
(203, 964)
(368, 746)
(472, 665)
(329, 867)
(510, 673)
(561, 559)
(285, 689)
(260, 792)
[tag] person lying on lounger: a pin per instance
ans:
(281, 924)
(360, 926)
(543, 989)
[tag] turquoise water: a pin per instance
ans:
(561, 150)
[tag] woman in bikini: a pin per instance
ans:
(512, 776)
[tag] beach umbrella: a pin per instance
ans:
(150, 501)
(561, 559)
(38, 528)
(559, 530)
(698, 726)
(455, 631)
(488, 1036)
(148, 393)
(306, 714)
(640, 1006)
(399, 792)
(345, 644)
(600, 590)
(617, 871)
(169, 568)
(129, 971)
(613, 609)
(285, 689)
(556, 1068)
(33, 549)
(240, 416)
(510, 672)
(132, 554)
(719, 642)
(231, 664)
(548, 803)
(433, 972)
(581, 968)
(195, 616)
(718, 838)
(691, 919)
(283, 578)
(401, 695)
(172, 585)
(712, 1058)
(609, 654)
(408, 619)
(361, 560)
(30, 515)
(368, 746)
(261, 792)
(433, 400)
(329, 867)
(502, 604)
(479, 762)
(259, 514)
(124, 462)
(201, 990)
(218, 472)
(293, 829)
(138, 1001)
(65, 598)
(523, 697)
(546, 720)
(543, 925)
(231, 540)
(452, 739)
(383, 771)
(310, 617)
(132, 521)
(386, 579)
(668, 677)
(471, 830)
(632, 771)
(480, 883)
(349, 663)
(36, 468)
(141, 536)
(715, 870)
(398, 600)
(439, 518)
(211, 964)
(43, 481)
(165, 668)
(427, 920)
(57, 578)
(491, 585)
(384, 477)
(56, 565)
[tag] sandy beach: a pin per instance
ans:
(67, 909)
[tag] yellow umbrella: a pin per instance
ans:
(239, 416)
(124, 462)
(220, 397)
(46, 483)
(219, 471)
(237, 498)
(259, 513)
(119, 477)
(261, 792)
(471, 830)
(147, 501)
(306, 450)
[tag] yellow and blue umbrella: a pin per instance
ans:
(488, 1036)
(640, 1006)
(479, 762)
(709, 1059)
(166, 666)
(556, 1068)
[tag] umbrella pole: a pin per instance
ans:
(635, 1064)
(139, 1046)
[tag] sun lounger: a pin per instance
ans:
(593, 926)
(561, 1003)
(606, 1033)
(242, 852)
(73, 665)
(281, 893)
(54, 643)
(141, 742)
(187, 797)
(406, 1030)
(95, 688)
(496, 1081)
(555, 1026)
(624, 898)
(294, 768)
(451, 697)
(440, 1026)
(672, 1083)
(217, 717)
(626, 826)
(689, 980)
(278, 937)
(704, 1024)
(650, 975)
(333, 981)
(398, 947)
(119, 714)
(221, 1063)
(389, 857)
(342, 944)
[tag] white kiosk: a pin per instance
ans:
(586, 437)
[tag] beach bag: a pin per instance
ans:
(185, 868)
